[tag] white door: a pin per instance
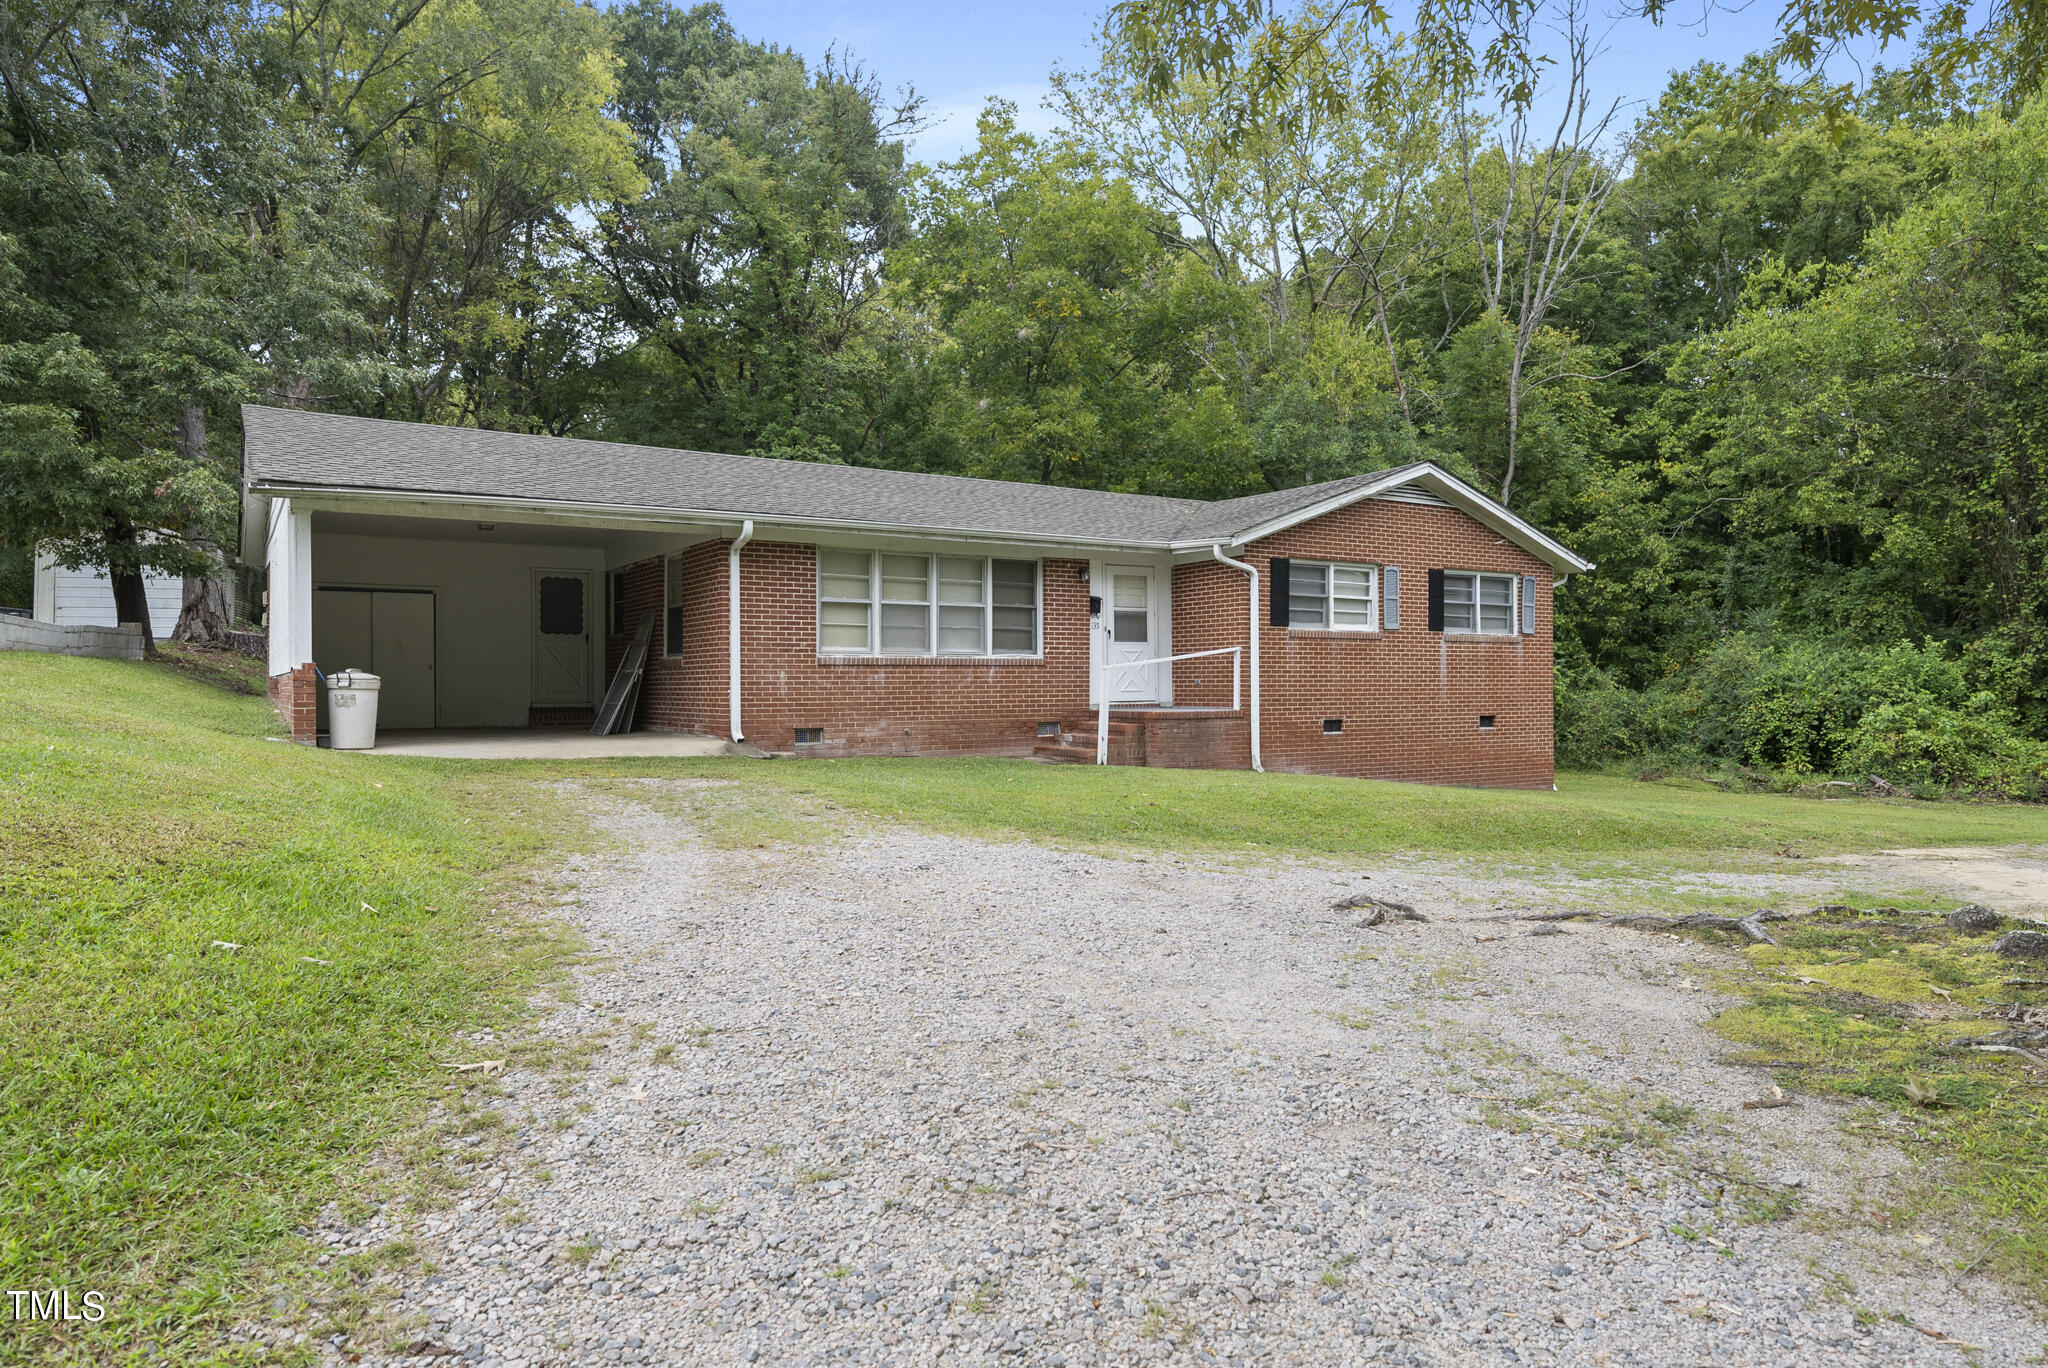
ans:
(1128, 636)
(561, 638)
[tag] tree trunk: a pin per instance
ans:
(205, 618)
(131, 599)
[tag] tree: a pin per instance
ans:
(1307, 217)
(1871, 457)
(1073, 336)
(747, 278)
(1259, 51)
(1546, 193)
(1710, 197)
(138, 169)
(477, 132)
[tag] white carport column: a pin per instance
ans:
(290, 560)
(732, 625)
(1252, 625)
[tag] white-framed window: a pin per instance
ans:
(895, 603)
(1479, 603)
(1332, 596)
(672, 603)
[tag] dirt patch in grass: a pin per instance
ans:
(2013, 878)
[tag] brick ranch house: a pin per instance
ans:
(1393, 625)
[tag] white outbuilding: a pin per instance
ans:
(85, 597)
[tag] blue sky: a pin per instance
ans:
(958, 53)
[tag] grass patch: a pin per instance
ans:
(171, 1109)
(1862, 1007)
(1225, 810)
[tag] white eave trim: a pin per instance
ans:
(1459, 494)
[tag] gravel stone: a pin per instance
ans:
(904, 1098)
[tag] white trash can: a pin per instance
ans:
(352, 710)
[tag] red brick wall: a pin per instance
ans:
(684, 690)
(906, 705)
(1215, 741)
(1410, 699)
(297, 699)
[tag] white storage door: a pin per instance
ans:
(389, 633)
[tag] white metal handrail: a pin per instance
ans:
(1236, 654)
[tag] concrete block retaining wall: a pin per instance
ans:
(101, 643)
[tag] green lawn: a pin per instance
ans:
(1591, 816)
(170, 1110)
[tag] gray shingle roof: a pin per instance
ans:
(283, 449)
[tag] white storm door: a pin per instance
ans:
(1129, 636)
(561, 638)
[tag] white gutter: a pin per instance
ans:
(1216, 550)
(732, 624)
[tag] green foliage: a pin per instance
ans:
(1810, 707)
(17, 577)
(1857, 459)
(1274, 59)
(1066, 320)
(171, 248)
(747, 275)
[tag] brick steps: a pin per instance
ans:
(1060, 752)
(1076, 742)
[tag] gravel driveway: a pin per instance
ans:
(904, 1098)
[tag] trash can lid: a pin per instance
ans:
(352, 679)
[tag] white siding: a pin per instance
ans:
(484, 613)
(85, 598)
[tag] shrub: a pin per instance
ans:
(1976, 746)
(1803, 706)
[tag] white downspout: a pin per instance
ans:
(1217, 551)
(732, 624)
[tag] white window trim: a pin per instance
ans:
(1514, 604)
(873, 651)
(1372, 622)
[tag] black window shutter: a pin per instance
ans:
(672, 638)
(1436, 600)
(1280, 571)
